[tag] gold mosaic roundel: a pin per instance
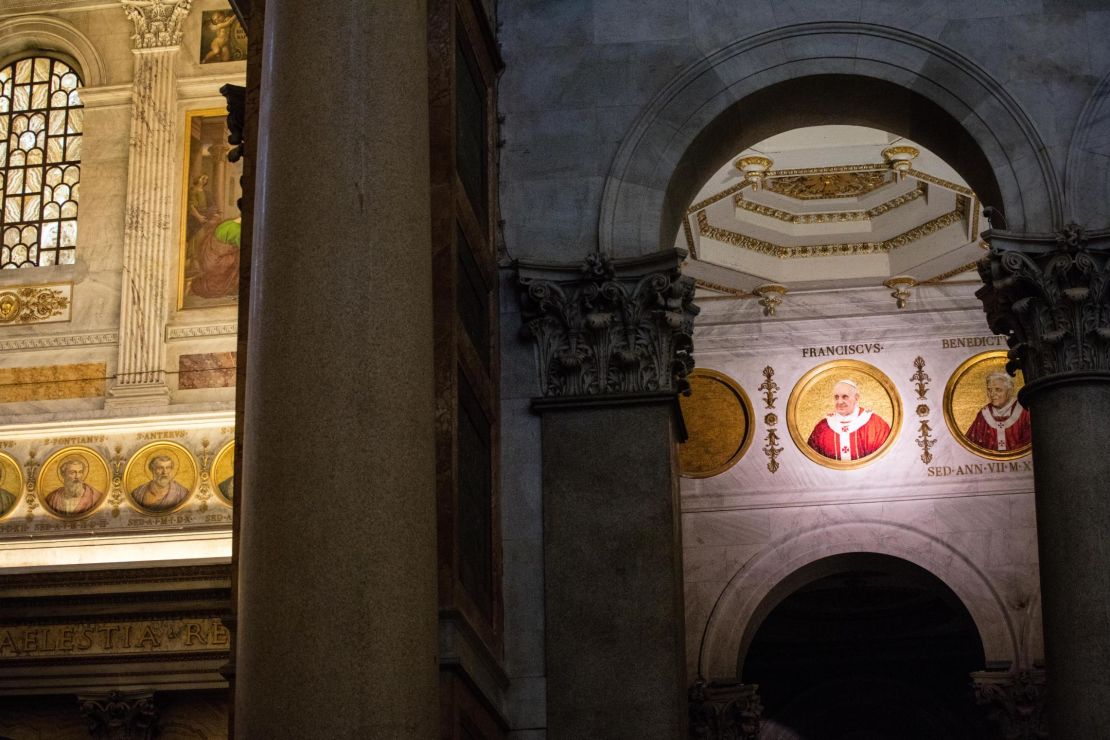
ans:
(11, 484)
(965, 398)
(223, 470)
(718, 417)
(160, 478)
(811, 401)
(73, 482)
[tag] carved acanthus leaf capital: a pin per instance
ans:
(1015, 702)
(611, 326)
(1051, 296)
(158, 23)
(724, 711)
(120, 715)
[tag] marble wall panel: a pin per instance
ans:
(206, 370)
(52, 382)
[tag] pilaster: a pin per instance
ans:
(1050, 294)
(613, 345)
(148, 233)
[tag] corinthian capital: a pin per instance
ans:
(610, 326)
(724, 710)
(1014, 701)
(157, 22)
(1051, 296)
(119, 715)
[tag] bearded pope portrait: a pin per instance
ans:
(1003, 424)
(74, 496)
(849, 433)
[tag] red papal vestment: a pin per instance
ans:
(1003, 429)
(849, 437)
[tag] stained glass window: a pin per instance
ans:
(40, 162)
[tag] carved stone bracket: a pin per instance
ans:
(724, 711)
(1015, 702)
(158, 23)
(121, 715)
(610, 326)
(1051, 297)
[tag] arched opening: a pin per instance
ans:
(861, 646)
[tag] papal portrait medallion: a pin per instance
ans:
(11, 484)
(844, 414)
(719, 427)
(73, 482)
(160, 478)
(223, 473)
(982, 410)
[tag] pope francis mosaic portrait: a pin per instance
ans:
(849, 432)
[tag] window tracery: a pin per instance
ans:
(41, 125)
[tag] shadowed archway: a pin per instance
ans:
(865, 646)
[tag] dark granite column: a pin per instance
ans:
(1051, 296)
(337, 632)
(613, 344)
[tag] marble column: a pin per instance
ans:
(148, 244)
(337, 608)
(1051, 296)
(613, 345)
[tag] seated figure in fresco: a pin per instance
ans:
(74, 496)
(849, 433)
(7, 498)
(161, 492)
(1003, 424)
(216, 260)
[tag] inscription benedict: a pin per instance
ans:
(962, 342)
(842, 350)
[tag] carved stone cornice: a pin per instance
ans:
(610, 326)
(724, 711)
(1015, 702)
(158, 23)
(121, 715)
(1050, 295)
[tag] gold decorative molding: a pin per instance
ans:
(204, 489)
(714, 198)
(826, 185)
(116, 464)
(936, 279)
(828, 250)
(921, 385)
(827, 216)
(919, 175)
(770, 296)
(772, 449)
(900, 289)
(35, 304)
(735, 292)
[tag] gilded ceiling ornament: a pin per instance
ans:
(755, 169)
(900, 289)
(827, 185)
(158, 23)
(900, 159)
(770, 296)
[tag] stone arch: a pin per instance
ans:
(735, 97)
(1087, 171)
(751, 592)
(40, 33)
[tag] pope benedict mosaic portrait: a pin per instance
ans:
(844, 414)
(982, 409)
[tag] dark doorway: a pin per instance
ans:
(866, 647)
